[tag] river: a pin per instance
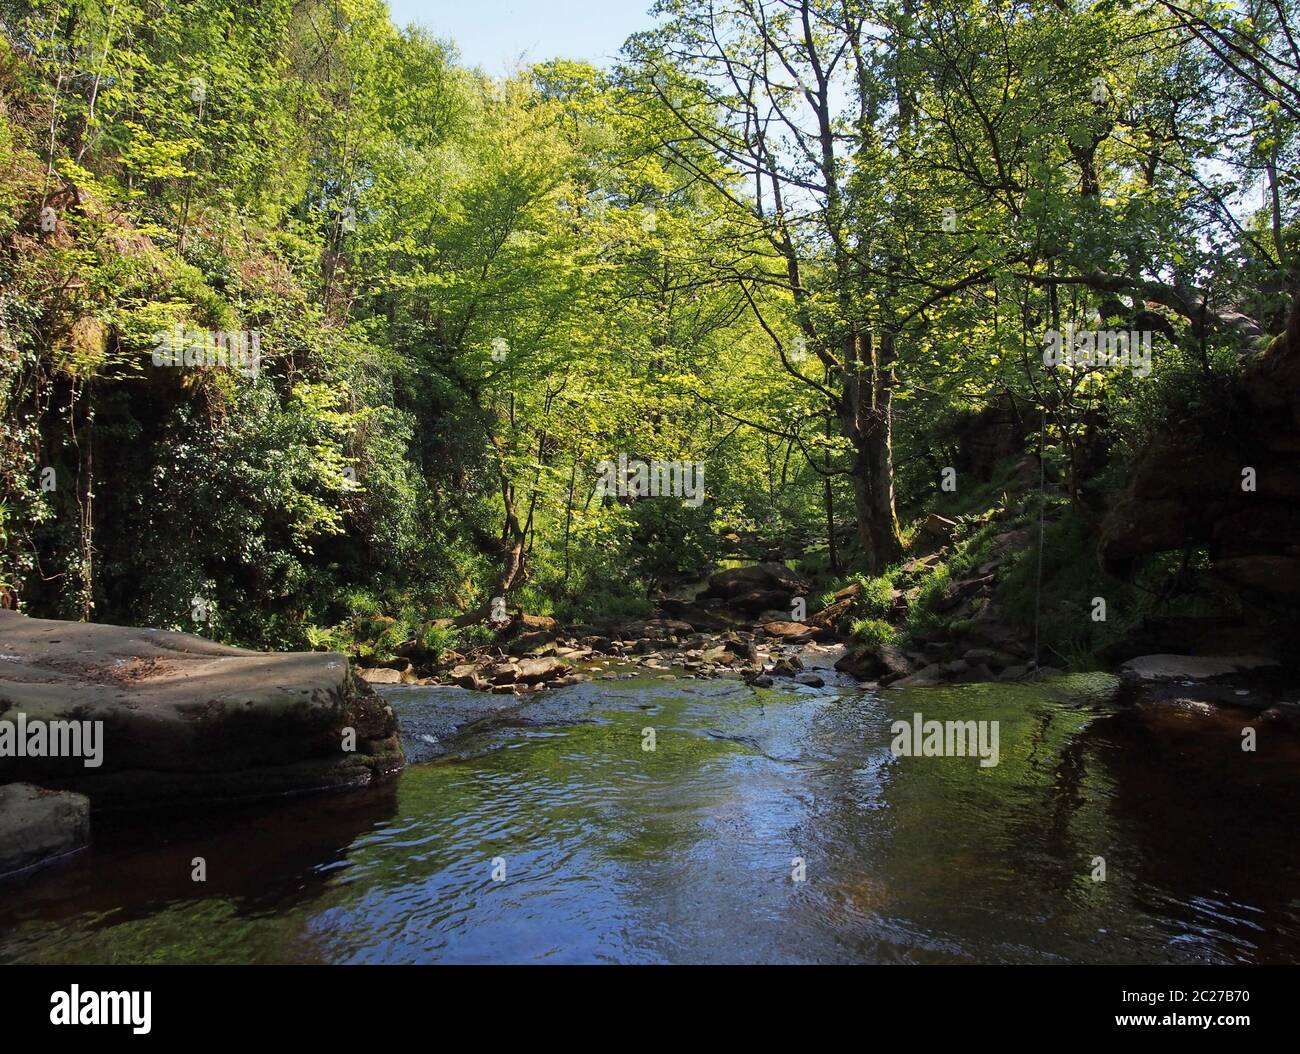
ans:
(560, 838)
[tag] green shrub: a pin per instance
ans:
(874, 632)
(480, 633)
(395, 634)
(876, 597)
(973, 551)
(323, 638)
(921, 615)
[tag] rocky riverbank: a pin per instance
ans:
(747, 621)
(742, 625)
(124, 718)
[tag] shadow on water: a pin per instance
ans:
(1209, 828)
(260, 861)
(689, 851)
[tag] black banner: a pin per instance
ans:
(356, 1003)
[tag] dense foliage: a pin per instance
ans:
(809, 244)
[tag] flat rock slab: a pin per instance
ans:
(187, 720)
(795, 632)
(39, 826)
(1192, 667)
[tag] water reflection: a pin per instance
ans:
(686, 853)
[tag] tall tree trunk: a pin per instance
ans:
(873, 498)
(828, 494)
(868, 424)
(513, 539)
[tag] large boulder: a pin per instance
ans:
(467, 675)
(181, 719)
(38, 826)
(707, 616)
(871, 661)
(757, 587)
(657, 629)
(1191, 667)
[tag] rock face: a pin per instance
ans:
(186, 720)
(38, 826)
(1226, 481)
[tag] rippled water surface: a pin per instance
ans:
(685, 853)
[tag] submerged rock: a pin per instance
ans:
(187, 720)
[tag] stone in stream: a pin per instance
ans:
(656, 629)
(385, 675)
(787, 666)
(790, 632)
(39, 826)
(186, 720)
(883, 661)
(932, 674)
(535, 671)
(467, 675)
(721, 653)
(540, 642)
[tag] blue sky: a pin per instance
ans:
(495, 34)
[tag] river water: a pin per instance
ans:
(609, 852)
